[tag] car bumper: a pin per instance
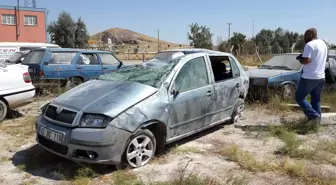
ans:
(263, 92)
(82, 145)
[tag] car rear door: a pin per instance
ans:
(34, 61)
(191, 96)
(109, 62)
(227, 87)
(88, 65)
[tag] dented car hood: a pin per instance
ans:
(267, 73)
(104, 97)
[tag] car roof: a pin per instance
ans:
(196, 50)
(73, 50)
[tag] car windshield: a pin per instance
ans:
(34, 57)
(152, 75)
(286, 62)
(15, 57)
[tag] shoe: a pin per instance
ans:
(314, 121)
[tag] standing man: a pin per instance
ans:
(312, 80)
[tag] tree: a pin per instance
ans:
(62, 31)
(200, 36)
(237, 40)
(81, 35)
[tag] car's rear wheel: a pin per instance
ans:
(140, 149)
(237, 111)
(3, 110)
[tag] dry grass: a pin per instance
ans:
(292, 168)
(22, 127)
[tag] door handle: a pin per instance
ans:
(209, 93)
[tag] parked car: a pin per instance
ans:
(279, 75)
(8, 49)
(16, 88)
(70, 67)
(125, 116)
(18, 57)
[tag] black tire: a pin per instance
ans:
(147, 133)
(3, 110)
(238, 109)
(73, 82)
(287, 92)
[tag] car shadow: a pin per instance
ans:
(13, 114)
(168, 148)
(41, 163)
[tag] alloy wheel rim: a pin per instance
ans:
(140, 151)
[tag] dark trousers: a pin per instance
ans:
(314, 88)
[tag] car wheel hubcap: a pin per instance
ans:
(140, 151)
(2, 110)
(287, 93)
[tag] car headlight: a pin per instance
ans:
(95, 121)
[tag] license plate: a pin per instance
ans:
(54, 136)
(30, 70)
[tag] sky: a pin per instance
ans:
(172, 17)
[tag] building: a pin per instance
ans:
(20, 24)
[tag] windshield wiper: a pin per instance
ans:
(282, 67)
(266, 66)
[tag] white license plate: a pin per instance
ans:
(54, 136)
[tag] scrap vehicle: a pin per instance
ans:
(68, 67)
(16, 88)
(280, 76)
(123, 118)
(8, 49)
(17, 57)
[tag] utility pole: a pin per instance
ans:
(229, 31)
(158, 32)
(252, 27)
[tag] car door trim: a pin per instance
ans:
(200, 117)
(19, 92)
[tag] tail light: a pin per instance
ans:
(41, 73)
(26, 77)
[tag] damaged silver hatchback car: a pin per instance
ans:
(126, 116)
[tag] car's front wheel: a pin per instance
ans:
(140, 149)
(3, 110)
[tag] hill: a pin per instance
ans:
(129, 39)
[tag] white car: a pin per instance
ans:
(16, 88)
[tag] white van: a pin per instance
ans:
(8, 49)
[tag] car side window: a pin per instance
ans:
(192, 75)
(88, 59)
(234, 68)
(62, 57)
(108, 59)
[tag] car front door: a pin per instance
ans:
(191, 97)
(109, 62)
(88, 65)
(227, 89)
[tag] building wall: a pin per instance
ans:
(8, 33)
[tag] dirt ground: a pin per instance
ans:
(248, 152)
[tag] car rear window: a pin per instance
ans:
(62, 57)
(34, 57)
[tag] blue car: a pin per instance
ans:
(280, 76)
(68, 67)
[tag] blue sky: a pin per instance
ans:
(173, 17)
